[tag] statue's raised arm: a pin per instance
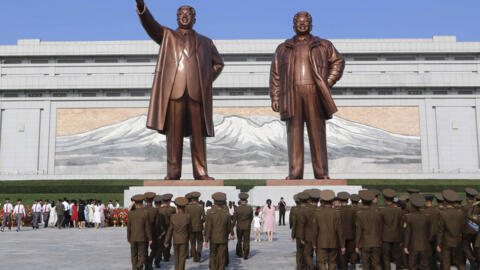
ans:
(153, 28)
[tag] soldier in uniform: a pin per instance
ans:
(450, 232)
(165, 210)
(155, 225)
(376, 193)
(197, 214)
(179, 229)
(368, 233)
(417, 234)
(242, 218)
(473, 216)
(355, 199)
(291, 216)
(218, 227)
(440, 201)
(298, 228)
(347, 214)
(139, 233)
(469, 234)
(433, 214)
(309, 227)
(391, 235)
(328, 233)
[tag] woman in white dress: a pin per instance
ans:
(90, 212)
(97, 219)
(52, 221)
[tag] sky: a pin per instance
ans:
(84, 20)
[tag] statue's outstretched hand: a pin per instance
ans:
(140, 4)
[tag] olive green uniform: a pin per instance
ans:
(391, 235)
(368, 236)
(139, 233)
(450, 231)
(242, 218)
(197, 214)
(179, 229)
(217, 229)
(417, 239)
(328, 235)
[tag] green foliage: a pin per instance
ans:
(245, 185)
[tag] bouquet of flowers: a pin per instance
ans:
(115, 217)
(1, 216)
(123, 215)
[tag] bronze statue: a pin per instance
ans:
(181, 100)
(304, 69)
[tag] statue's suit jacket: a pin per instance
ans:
(327, 66)
(210, 64)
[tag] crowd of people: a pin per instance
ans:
(60, 214)
(330, 230)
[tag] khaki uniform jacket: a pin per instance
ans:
(467, 208)
(243, 217)
(179, 228)
(138, 227)
(450, 227)
(218, 226)
(197, 214)
(417, 231)
(369, 228)
(329, 231)
(310, 225)
(347, 214)
(434, 215)
(155, 220)
(473, 215)
(291, 217)
(298, 226)
(392, 222)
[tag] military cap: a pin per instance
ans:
(375, 191)
(389, 193)
(295, 198)
(157, 198)
(243, 196)
(195, 194)
(471, 192)
(403, 197)
(168, 196)
(477, 197)
(450, 195)
(428, 197)
(327, 195)
(417, 200)
(188, 196)
(138, 198)
(366, 195)
(439, 197)
(219, 196)
(413, 190)
(181, 201)
(303, 196)
(314, 193)
(355, 198)
(343, 196)
(149, 195)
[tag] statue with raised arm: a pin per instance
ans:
(181, 100)
(304, 69)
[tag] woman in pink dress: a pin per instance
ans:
(269, 220)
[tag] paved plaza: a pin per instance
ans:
(108, 249)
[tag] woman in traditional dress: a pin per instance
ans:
(269, 220)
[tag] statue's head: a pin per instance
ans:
(302, 23)
(186, 17)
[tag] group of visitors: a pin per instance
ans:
(63, 213)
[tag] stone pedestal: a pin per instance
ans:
(307, 182)
(182, 183)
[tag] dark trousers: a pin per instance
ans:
(185, 115)
(371, 258)
(243, 242)
(453, 256)
(217, 256)
(308, 255)
(60, 221)
(153, 252)
(66, 219)
(196, 245)
(307, 109)
(46, 218)
(7, 221)
(180, 252)
(468, 243)
(349, 256)
(299, 255)
(326, 258)
(391, 252)
(161, 251)
(36, 217)
(419, 260)
(281, 218)
(138, 253)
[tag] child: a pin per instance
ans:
(257, 225)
